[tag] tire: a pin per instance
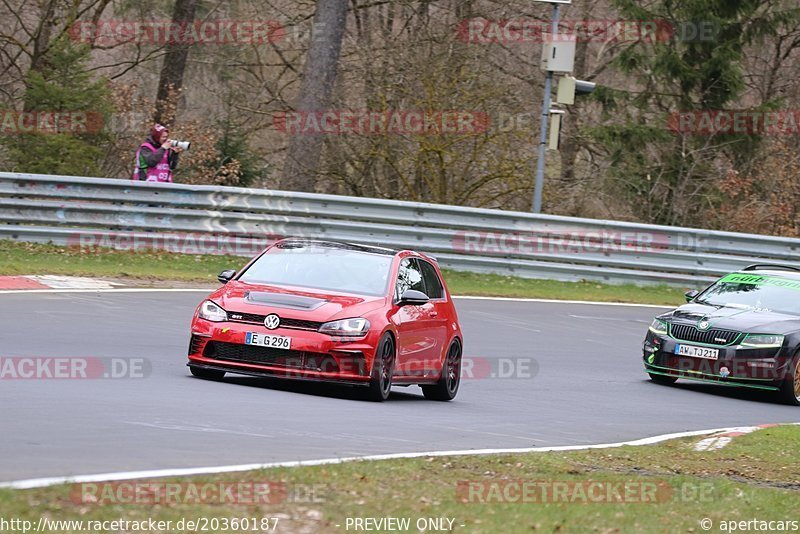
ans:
(380, 383)
(790, 389)
(447, 386)
(663, 380)
(209, 374)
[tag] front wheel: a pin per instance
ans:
(790, 390)
(447, 386)
(661, 379)
(380, 383)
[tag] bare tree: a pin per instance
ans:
(319, 77)
(172, 72)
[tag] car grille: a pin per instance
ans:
(253, 318)
(685, 332)
(294, 359)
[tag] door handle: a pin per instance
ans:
(433, 314)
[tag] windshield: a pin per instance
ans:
(319, 267)
(754, 292)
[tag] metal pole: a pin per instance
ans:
(548, 85)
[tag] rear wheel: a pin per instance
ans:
(447, 386)
(380, 384)
(661, 379)
(210, 374)
(790, 390)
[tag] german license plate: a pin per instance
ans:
(266, 340)
(697, 352)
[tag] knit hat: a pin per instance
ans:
(155, 133)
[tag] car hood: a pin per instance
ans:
(734, 318)
(314, 305)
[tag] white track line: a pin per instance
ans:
(160, 473)
(209, 290)
(119, 290)
(556, 301)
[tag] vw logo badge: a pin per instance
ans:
(272, 321)
(703, 325)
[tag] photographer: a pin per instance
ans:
(157, 157)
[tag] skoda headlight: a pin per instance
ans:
(211, 312)
(658, 327)
(346, 327)
(763, 341)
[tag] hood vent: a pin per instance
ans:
(283, 300)
(689, 315)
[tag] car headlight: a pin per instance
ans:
(763, 341)
(346, 327)
(211, 312)
(658, 327)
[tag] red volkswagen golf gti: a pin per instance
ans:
(334, 312)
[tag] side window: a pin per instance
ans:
(409, 277)
(433, 285)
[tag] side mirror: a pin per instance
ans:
(690, 295)
(226, 276)
(412, 297)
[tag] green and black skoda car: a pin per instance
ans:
(743, 330)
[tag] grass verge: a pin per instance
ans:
(155, 266)
(668, 487)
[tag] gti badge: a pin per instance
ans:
(272, 321)
(703, 325)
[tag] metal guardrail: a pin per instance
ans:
(209, 219)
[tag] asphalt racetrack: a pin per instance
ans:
(544, 374)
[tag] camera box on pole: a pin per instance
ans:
(566, 90)
(556, 116)
(568, 87)
(559, 55)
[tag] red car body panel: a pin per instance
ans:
(422, 333)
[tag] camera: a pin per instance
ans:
(183, 145)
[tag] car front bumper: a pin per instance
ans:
(758, 368)
(313, 356)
